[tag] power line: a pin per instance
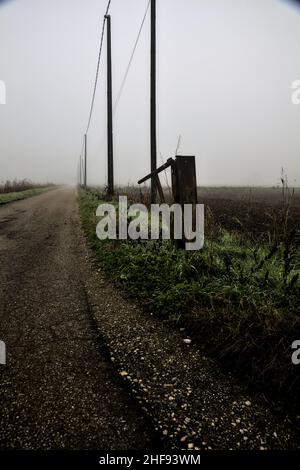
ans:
(126, 71)
(131, 59)
(98, 67)
(82, 147)
(95, 86)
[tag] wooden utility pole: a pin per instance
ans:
(85, 155)
(80, 175)
(82, 171)
(110, 152)
(153, 99)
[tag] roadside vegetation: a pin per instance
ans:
(16, 186)
(14, 190)
(238, 299)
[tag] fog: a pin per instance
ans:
(224, 75)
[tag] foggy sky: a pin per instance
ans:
(224, 74)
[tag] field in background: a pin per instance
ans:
(239, 297)
(16, 186)
(16, 196)
(260, 212)
(256, 211)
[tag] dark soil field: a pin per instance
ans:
(252, 210)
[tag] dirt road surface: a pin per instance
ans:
(58, 388)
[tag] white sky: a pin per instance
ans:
(224, 74)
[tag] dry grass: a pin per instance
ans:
(16, 186)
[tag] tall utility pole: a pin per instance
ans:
(110, 152)
(153, 98)
(80, 173)
(85, 154)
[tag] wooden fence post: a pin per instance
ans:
(184, 188)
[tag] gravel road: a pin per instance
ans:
(87, 368)
(58, 389)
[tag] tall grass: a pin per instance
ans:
(16, 186)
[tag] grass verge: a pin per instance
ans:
(240, 302)
(16, 196)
